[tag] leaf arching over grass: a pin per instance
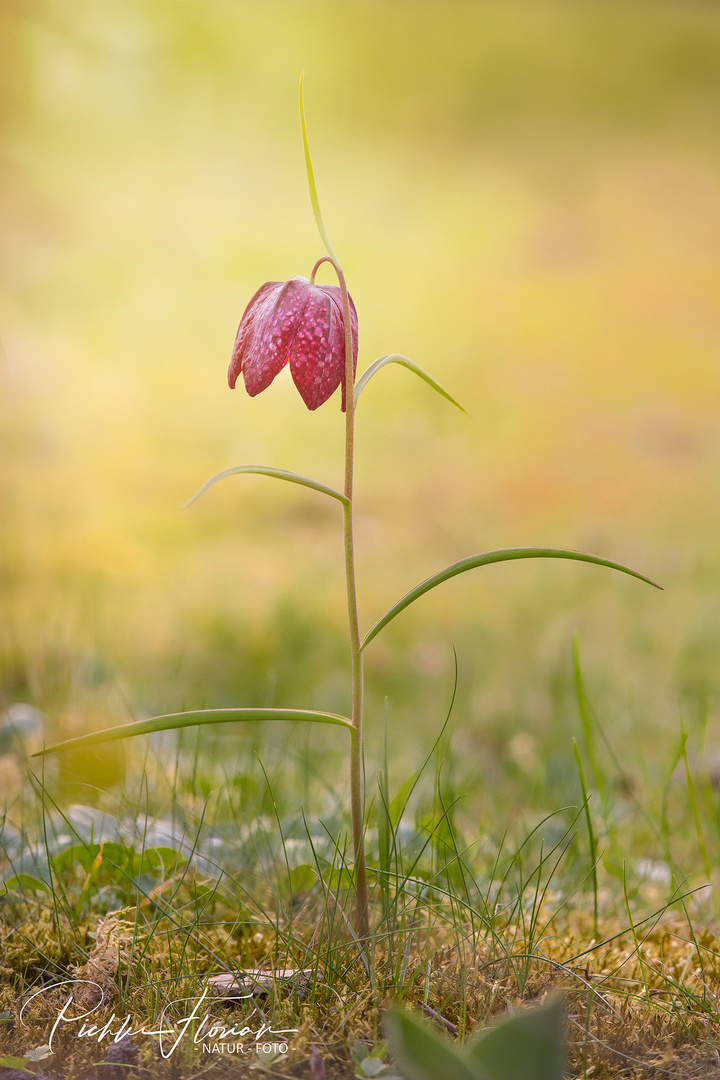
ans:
(171, 721)
(404, 361)
(267, 470)
(485, 559)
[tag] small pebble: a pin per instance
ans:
(317, 1065)
(122, 1053)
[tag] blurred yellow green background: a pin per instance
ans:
(526, 200)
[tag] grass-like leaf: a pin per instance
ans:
(592, 842)
(484, 559)
(423, 1055)
(692, 798)
(406, 362)
(311, 181)
(266, 470)
(188, 719)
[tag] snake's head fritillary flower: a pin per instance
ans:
(298, 323)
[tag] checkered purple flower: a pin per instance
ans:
(297, 323)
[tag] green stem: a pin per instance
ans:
(356, 735)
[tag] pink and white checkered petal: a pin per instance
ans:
(277, 325)
(311, 357)
(333, 291)
(246, 330)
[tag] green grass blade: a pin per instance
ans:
(693, 801)
(587, 719)
(311, 181)
(636, 940)
(485, 559)
(266, 470)
(384, 824)
(187, 719)
(592, 843)
(406, 362)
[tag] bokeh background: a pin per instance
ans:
(526, 200)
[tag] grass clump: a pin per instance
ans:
(152, 894)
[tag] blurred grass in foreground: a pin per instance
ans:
(525, 198)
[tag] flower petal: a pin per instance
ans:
(278, 320)
(312, 364)
(246, 330)
(297, 322)
(338, 340)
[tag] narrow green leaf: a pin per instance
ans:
(266, 470)
(383, 822)
(423, 1055)
(399, 802)
(587, 718)
(693, 800)
(311, 181)
(406, 362)
(591, 838)
(187, 719)
(485, 559)
(16, 1063)
(529, 1046)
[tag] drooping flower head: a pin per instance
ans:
(301, 324)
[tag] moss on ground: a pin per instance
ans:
(641, 1005)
